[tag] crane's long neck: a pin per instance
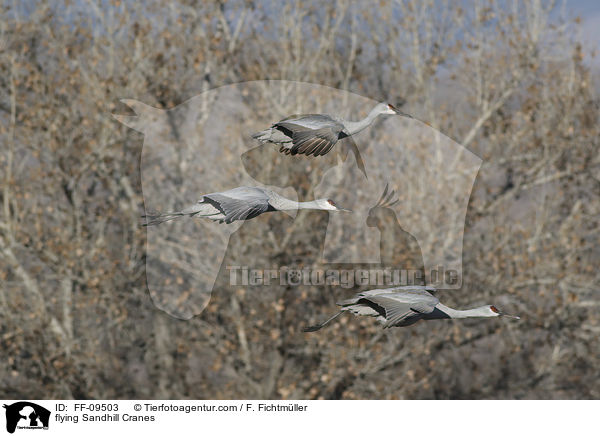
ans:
(282, 203)
(309, 205)
(353, 127)
(478, 312)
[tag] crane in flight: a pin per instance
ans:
(405, 305)
(242, 203)
(316, 134)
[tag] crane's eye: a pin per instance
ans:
(494, 309)
(331, 202)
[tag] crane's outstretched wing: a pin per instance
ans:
(400, 311)
(406, 293)
(399, 306)
(239, 203)
(311, 134)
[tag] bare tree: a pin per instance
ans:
(509, 80)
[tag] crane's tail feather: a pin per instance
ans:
(314, 328)
(348, 302)
(263, 136)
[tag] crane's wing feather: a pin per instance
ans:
(411, 294)
(239, 204)
(244, 193)
(401, 305)
(312, 121)
(316, 142)
(408, 293)
(395, 311)
(398, 311)
(311, 134)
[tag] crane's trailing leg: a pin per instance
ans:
(152, 220)
(316, 327)
(201, 209)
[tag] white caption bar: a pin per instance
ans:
(23, 417)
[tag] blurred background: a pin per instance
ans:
(514, 81)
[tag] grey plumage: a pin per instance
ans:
(242, 203)
(316, 134)
(403, 306)
(239, 204)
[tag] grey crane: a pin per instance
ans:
(242, 203)
(405, 305)
(316, 134)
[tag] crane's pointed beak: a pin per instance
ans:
(510, 316)
(343, 210)
(404, 114)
